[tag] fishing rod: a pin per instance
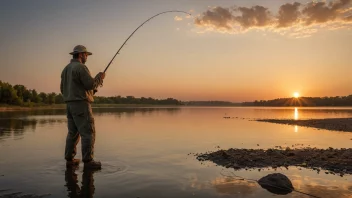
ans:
(136, 30)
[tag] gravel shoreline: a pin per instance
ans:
(331, 161)
(334, 124)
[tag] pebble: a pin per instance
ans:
(317, 159)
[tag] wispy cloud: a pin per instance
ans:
(301, 20)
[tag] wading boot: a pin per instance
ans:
(92, 165)
(72, 163)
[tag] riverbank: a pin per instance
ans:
(63, 106)
(335, 124)
(330, 161)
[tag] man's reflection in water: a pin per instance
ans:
(71, 178)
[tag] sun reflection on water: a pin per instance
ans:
(296, 113)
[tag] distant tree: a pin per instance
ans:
(51, 98)
(35, 97)
(44, 97)
(117, 100)
(9, 94)
(130, 99)
(20, 89)
(0, 91)
(27, 96)
(59, 99)
(304, 101)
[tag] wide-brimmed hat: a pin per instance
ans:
(80, 49)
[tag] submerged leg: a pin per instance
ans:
(72, 137)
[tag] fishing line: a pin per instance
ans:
(236, 177)
(137, 29)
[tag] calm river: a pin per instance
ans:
(145, 152)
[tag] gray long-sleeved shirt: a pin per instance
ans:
(77, 84)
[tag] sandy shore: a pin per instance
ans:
(331, 161)
(335, 124)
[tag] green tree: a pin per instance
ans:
(51, 98)
(44, 97)
(0, 91)
(35, 97)
(9, 94)
(20, 89)
(59, 99)
(27, 96)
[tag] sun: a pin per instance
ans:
(296, 94)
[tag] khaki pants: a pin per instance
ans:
(80, 123)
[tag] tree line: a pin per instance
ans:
(22, 96)
(303, 101)
(211, 103)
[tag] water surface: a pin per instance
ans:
(145, 152)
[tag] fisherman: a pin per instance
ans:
(78, 88)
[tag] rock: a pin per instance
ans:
(225, 154)
(276, 183)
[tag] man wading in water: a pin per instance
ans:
(78, 87)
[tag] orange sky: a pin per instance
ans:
(237, 51)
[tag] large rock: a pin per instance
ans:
(276, 183)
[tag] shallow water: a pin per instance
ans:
(145, 152)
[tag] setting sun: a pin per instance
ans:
(296, 94)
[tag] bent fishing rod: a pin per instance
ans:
(136, 30)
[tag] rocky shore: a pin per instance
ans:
(329, 161)
(335, 124)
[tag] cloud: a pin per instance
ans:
(177, 18)
(349, 18)
(288, 14)
(218, 18)
(257, 16)
(224, 19)
(302, 32)
(291, 16)
(322, 12)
